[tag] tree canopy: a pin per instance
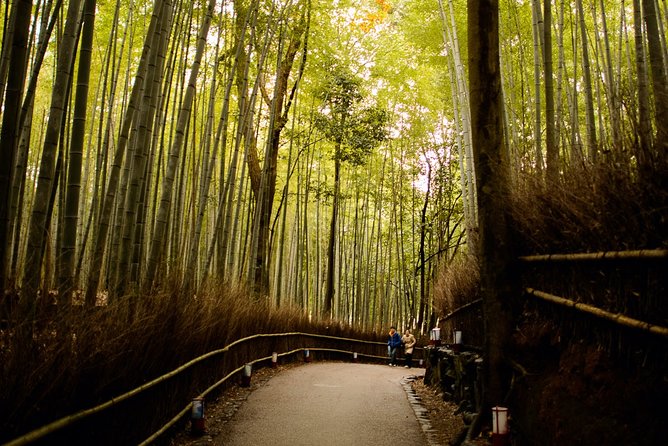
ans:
(209, 139)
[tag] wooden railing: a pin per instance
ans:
(602, 260)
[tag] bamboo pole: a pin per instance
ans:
(617, 318)
(642, 254)
(460, 309)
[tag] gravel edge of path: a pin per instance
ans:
(421, 412)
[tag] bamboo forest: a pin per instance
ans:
(189, 172)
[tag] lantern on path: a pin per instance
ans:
(456, 340)
(197, 426)
(435, 336)
(246, 377)
(354, 356)
(500, 426)
(274, 360)
(307, 356)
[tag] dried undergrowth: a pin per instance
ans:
(593, 208)
(458, 284)
(606, 207)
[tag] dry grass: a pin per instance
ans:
(595, 208)
(457, 284)
(606, 207)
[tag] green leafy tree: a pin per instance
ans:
(355, 129)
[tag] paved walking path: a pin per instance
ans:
(327, 404)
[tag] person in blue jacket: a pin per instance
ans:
(393, 344)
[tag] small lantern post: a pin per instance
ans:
(435, 336)
(500, 426)
(246, 377)
(197, 424)
(456, 340)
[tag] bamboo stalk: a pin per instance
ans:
(617, 318)
(642, 254)
(460, 309)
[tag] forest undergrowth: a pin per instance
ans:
(77, 358)
(578, 379)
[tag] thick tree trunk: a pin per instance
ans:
(279, 109)
(492, 171)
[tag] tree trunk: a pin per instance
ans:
(644, 122)
(422, 249)
(279, 109)
(611, 86)
(492, 171)
(538, 44)
(551, 146)
(592, 145)
(331, 246)
(114, 176)
(134, 200)
(658, 75)
(220, 140)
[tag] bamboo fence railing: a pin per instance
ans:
(617, 318)
(642, 254)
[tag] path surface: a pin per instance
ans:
(325, 404)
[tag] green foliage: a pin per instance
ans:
(345, 120)
(367, 129)
(341, 91)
